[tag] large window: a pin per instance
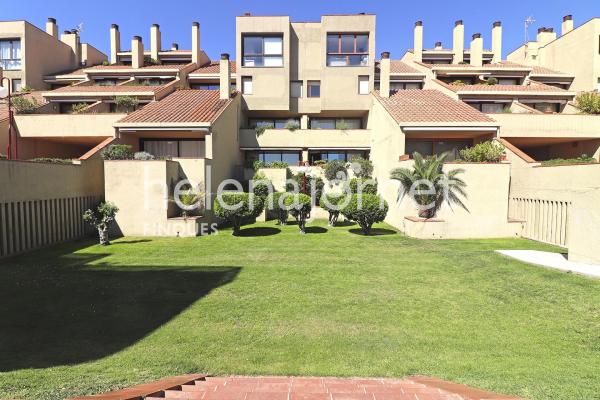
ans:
(336, 123)
(330, 155)
(489, 107)
(395, 86)
(290, 157)
(431, 147)
(10, 54)
(262, 51)
(174, 148)
(347, 50)
(276, 123)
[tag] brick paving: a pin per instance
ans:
(201, 387)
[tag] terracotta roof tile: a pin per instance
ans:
(37, 95)
(214, 68)
(188, 105)
(99, 68)
(105, 89)
(534, 87)
(429, 106)
(537, 70)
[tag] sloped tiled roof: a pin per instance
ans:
(162, 67)
(182, 106)
(214, 68)
(537, 70)
(105, 89)
(37, 95)
(407, 106)
(400, 67)
(534, 87)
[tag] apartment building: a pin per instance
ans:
(28, 53)
(575, 52)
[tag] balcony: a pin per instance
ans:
(67, 127)
(306, 138)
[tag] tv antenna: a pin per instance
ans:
(528, 21)
(79, 28)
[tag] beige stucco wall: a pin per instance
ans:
(584, 231)
(66, 125)
(91, 55)
(548, 125)
(487, 204)
(306, 138)
(387, 141)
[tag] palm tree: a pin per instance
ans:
(429, 185)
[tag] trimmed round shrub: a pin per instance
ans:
(362, 167)
(489, 152)
(330, 203)
(365, 209)
(367, 186)
(143, 156)
(299, 206)
(304, 183)
(272, 204)
(261, 185)
(236, 207)
(335, 169)
(117, 152)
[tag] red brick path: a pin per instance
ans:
(199, 387)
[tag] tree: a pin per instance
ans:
(362, 167)
(261, 185)
(235, 207)
(126, 103)
(336, 170)
(304, 185)
(23, 105)
(276, 204)
(363, 185)
(365, 209)
(331, 203)
(100, 218)
(589, 102)
(429, 185)
(299, 206)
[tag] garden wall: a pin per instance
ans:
(42, 204)
(487, 201)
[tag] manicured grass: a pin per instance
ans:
(79, 318)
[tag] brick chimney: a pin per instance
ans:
(224, 77)
(418, 41)
(155, 41)
(497, 42)
(137, 52)
(115, 43)
(195, 42)
(174, 46)
(52, 28)
(458, 42)
(477, 50)
(384, 74)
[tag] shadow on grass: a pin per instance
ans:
(118, 242)
(258, 231)
(374, 232)
(57, 309)
(315, 229)
(345, 223)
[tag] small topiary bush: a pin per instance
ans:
(235, 207)
(363, 185)
(365, 209)
(276, 204)
(589, 103)
(292, 125)
(143, 156)
(260, 185)
(491, 81)
(101, 218)
(126, 104)
(490, 151)
(362, 167)
(330, 203)
(336, 170)
(117, 152)
(299, 206)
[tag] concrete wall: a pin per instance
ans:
(45, 202)
(306, 138)
(548, 125)
(91, 55)
(66, 125)
(584, 227)
(387, 141)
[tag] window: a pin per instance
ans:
(246, 85)
(10, 54)
(347, 50)
(290, 157)
(262, 51)
(363, 84)
(395, 86)
(547, 108)
(508, 81)
(314, 88)
(336, 123)
(16, 85)
(296, 89)
(431, 147)
(174, 148)
(489, 107)
(276, 123)
(342, 155)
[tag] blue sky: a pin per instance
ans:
(395, 19)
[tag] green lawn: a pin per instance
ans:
(79, 318)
